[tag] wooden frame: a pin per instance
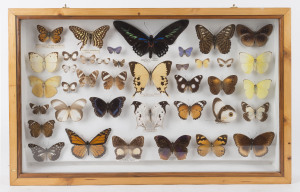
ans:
(18, 178)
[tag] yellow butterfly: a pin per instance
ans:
(259, 64)
(203, 63)
(47, 88)
(38, 63)
(261, 89)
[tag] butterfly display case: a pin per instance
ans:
(150, 96)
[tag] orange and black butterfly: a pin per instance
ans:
(45, 34)
(185, 110)
(95, 146)
(205, 146)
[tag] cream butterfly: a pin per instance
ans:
(38, 63)
(47, 88)
(203, 63)
(64, 112)
(259, 64)
(261, 89)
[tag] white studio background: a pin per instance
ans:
(4, 132)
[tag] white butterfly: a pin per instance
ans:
(64, 112)
(69, 87)
(38, 63)
(260, 113)
(68, 68)
(145, 115)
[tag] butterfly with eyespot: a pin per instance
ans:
(259, 144)
(185, 110)
(114, 108)
(203, 63)
(91, 59)
(119, 63)
(145, 115)
(72, 56)
(36, 129)
(226, 63)
(134, 148)
(223, 113)
(192, 85)
(64, 112)
(142, 43)
(87, 80)
(261, 89)
(116, 50)
(259, 64)
(39, 63)
(53, 35)
(95, 146)
(68, 68)
(166, 147)
(158, 76)
(227, 85)
(42, 109)
(187, 52)
(46, 88)
(205, 146)
(250, 38)
(40, 154)
(182, 66)
(105, 61)
(119, 80)
(221, 41)
(259, 114)
(69, 87)
(84, 36)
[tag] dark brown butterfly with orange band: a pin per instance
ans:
(95, 146)
(45, 34)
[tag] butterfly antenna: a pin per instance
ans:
(147, 28)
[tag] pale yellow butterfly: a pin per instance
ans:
(47, 88)
(38, 63)
(203, 63)
(261, 89)
(259, 64)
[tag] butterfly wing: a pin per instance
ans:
(55, 35)
(79, 149)
(158, 112)
(247, 35)
(36, 62)
(249, 112)
(108, 80)
(206, 39)
(262, 62)
(180, 147)
(159, 76)
(223, 42)
(182, 83)
(141, 76)
(188, 51)
(73, 86)
(206, 62)
(39, 153)
(100, 106)
(204, 145)
(249, 87)
(115, 106)
(262, 88)
(136, 147)
(62, 110)
(199, 63)
(110, 50)
(247, 62)
(181, 51)
(76, 112)
(196, 109)
(262, 142)
(92, 78)
(53, 152)
(35, 128)
(261, 112)
(98, 36)
(120, 80)
(165, 147)
(118, 50)
(140, 111)
(183, 109)
(97, 147)
(80, 34)
(261, 36)
(121, 147)
(215, 85)
(194, 83)
(218, 145)
(47, 128)
(51, 61)
(50, 86)
(44, 34)
(229, 84)
(37, 86)
(243, 143)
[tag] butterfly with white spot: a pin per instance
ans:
(68, 68)
(40, 154)
(226, 63)
(223, 113)
(134, 148)
(119, 80)
(87, 79)
(91, 59)
(36, 109)
(104, 61)
(39, 63)
(64, 112)
(68, 56)
(183, 84)
(259, 114)
(69, 87)
(150, 116)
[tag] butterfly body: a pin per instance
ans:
(205, 146)
(40, 154)
(185, 110)
(192, 85)
(114, 108)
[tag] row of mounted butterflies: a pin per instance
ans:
(179, 148)
(159, 44)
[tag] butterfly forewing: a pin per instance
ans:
(98, 36)
(39, 153)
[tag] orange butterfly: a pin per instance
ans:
(95, 146)
(45, 34)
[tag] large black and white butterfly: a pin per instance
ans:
(40, 154)
(114, 107)
(153, 115)
(142, 44)
(183, 84)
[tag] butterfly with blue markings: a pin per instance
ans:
(116, 50)
(114, 108)
(186, 52)
(142, 43)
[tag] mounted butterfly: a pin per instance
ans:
(192, 85)
(36, 109)
(227, 85)
(69, 87)
(39, 63)
(53, 35)
(223, 63)
(261, 89)
(250, 113)
(36, 129)
(185, 110)
(187, 52)
(205, 146)
(46, 88)
(202, 63)
(87, 79)
(259, 64)
(142, 44)
(134, 148)
(119, 80)
(182, 66)
(40, 154)
(73, 56)
(223, 113)
(114, 108)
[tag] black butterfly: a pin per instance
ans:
(114, 107)
(143, 44)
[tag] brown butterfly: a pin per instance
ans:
(84, 36)
(223, 113)
(226, 63)
(259, 144)
(68, 56)
(118, 80)
(205, 145)
(228, 84)
(69, 87)
(221, 41)
(250, 113)
(36, 129)
(250, 38)
(95, 146)
(192, 85)
(40, 154)
(119, 63)
(166, 147)
(42, 109)
(91, 59)
(87, 80)
(185, 110)
(134, 148)
(45, 35)
(182, 66)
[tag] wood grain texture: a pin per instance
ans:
(18, 178)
